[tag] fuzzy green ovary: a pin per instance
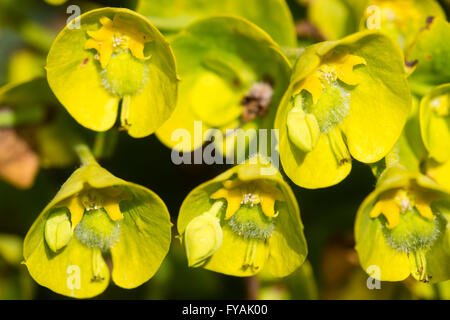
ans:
(124, 75)
(331, 108)
(413, 233)
(97, 230)
(251, 223)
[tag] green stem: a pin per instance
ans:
(105, 143)
(20, 116)
(84, 154)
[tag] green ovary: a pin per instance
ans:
(124, 75)
(97, 230)
(331, 108)
(413, 232)
(251, 223)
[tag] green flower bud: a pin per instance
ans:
(303, 128)
(58, 229)
(203, 236)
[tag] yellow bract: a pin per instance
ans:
(400, 12)
(107, 198)
(394, 202)
(338, 66)
(441, 105)
(238, 192)
(114, 35)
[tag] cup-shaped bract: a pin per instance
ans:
(430, 53)
(248, 220)
(401, 20)
(356, 90)
(94, 218)
(233, 75)
(435, 123)
(273, 16)
(336, 19)
(402, 228)
(116, 57)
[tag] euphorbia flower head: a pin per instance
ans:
(242, 222)
(402, 227)
(343, 101)
(94, 215)
(117, 57)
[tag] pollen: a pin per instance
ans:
(251, 199)
(336, 66)
(239, 193)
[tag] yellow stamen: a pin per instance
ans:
(114, 35)
(394, 202)
(107, 198)
(338, 66)
(253, 193)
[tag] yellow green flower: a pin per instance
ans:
(94, 218)
(401, 19)
(435, 123)
(116, 58)
(242, 222)
(429, 53)
(230, 90)
(347, 99)
(402, 228)
(439, 172)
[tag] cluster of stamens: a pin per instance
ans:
(250, 198)
(327, 74)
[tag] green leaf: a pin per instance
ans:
(271, 15)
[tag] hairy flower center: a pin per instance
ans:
(413, 232)
(97, 230)
(410, 224)
(124, 75)
(333, 105)
(120, 50)
(250, 222)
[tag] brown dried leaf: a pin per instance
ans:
(19, 164)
